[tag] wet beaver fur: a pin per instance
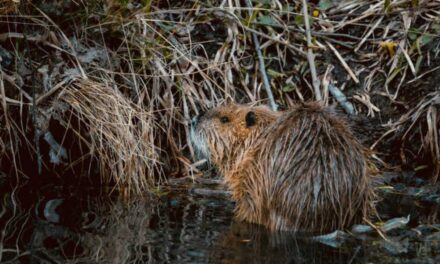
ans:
(300, 170)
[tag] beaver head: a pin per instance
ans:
(218, 132)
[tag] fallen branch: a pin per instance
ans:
(310, 55)
(262, 67)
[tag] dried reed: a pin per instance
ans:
(117, 132)
(421, 122)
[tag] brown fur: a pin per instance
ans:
(299, 170)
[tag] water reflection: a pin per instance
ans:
(246, 243)
(55, 225)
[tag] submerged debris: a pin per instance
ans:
(389, 225)
(395, 223)
(334, 239)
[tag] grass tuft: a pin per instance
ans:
(118, 133)
(421, 124)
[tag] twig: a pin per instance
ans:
(262, 67)
(408, 59)
(12, 101)
(34, 113)
(67, 40)
(277, 40)
(340, 43)
(57, 152)
(368, 34)
(381, 234)
(53, 90)
(344, 64)
(4, 99)
(7, 123)
(12, 80)
(210, 181)
(310, 55)
(37, 132)
(423, 74)
(357, 250)
(210, 193)
(313, 32)
(382, 137)
(365, 99)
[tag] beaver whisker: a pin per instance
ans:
(199, 143)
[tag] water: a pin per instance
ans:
(53, 224)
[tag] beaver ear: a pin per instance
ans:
(251, 119)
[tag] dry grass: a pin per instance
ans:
(172, 61)
(117, 132)
(421, 124)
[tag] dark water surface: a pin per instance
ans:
(78, 225)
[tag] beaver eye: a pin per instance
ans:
(224, 119)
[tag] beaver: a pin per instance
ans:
(298, 170)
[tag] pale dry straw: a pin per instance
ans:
(118, 133)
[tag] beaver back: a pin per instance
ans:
(305, 172)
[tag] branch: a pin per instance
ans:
(273, 105)
(310, 55)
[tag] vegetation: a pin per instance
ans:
(114, 83)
